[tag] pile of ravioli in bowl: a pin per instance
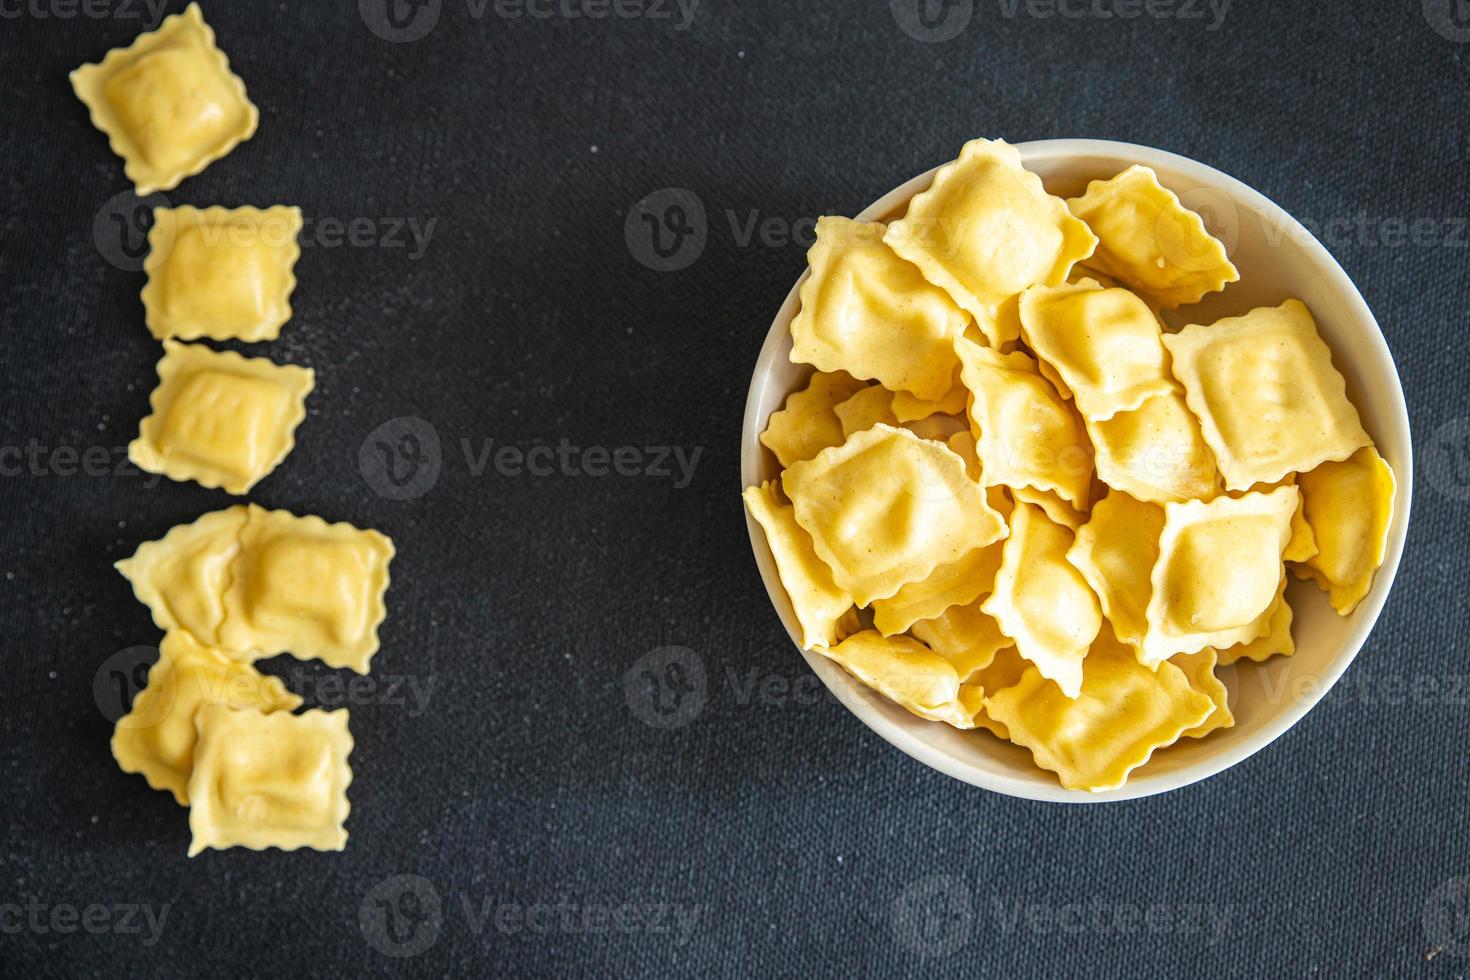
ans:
(1023, 494)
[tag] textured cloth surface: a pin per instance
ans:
(513, 811)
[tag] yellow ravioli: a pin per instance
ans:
(302, 586)
(221, 273)
(269, 780)
(1055, 507)
(156, 737)
(908, 408)
(1041, 601)
(985, 230)
(1122, 713)
(886, 508)
(1303, 544)
(1116, 551)
(866, 311)
(808, 424)
(183, 576)
(1155, 452)
(1199, 668)
(956, 583)
(865, 409)
(1349, 506)
(1273, 634)
(966, 636)
(1104, 344)
(1266, 394)
(220, 419)
(824, 611)
(1150, 241)
(1025, 435)
(1219, 569)
(253, 583)
(907, 673)
(168, 103)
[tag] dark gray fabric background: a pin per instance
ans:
(794, 841)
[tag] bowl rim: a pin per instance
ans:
(864, 704)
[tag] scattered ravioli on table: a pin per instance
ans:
(253, 583)
(220, 419)
(168, 103)
(221, 273)
(1058, 523)
(269, 780)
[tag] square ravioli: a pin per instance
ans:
(985, 230)
(156, 737)
(808, 423)
(1150, 241)
(221, 273)
(1105, 344)
(1155, 452)
(1266, 394)
(1122, 713)
(866, 311)
(183, 576)
(269, 780)
(824, 611)
(302, 586)
(220, 419)
(253, 583)
(1348, 506)
(907, 673)
(957, 583)
(886, 508)
(169, 104)
(1041, 601)
(1219, 570)
(1025, 434)
(1116, 551)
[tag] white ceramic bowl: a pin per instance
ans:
(1277, 259)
